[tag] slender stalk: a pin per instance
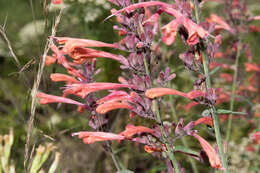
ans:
(111, 151)
(169, 151)
(234, 86)
(183, 140)
(114, 159)
(212, 107)
(214, 116)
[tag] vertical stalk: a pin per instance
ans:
(111, 151)
(212, 107)
(183, 140)
(169, 151)
(214, 116)
(234, 85)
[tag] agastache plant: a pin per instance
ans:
(143, 83)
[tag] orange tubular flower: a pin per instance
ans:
(189, 106)
(150, 149)
(109, 106)
(170, 31)
(227, 77)
(256, 137)
(46, 99)
(253, 28)
(252, 67)
(131, 130)
(208, 120)
(138, 5)
(221, 23)
(58, 77)
(204, 120)
(71, 43)
(210, 151)
(114, 96)
(194, 31)
(92, 137)
(82, 90)
(57, 1)
(158, 92)
(50, 60)
(80, 55)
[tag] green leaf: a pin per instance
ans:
(125, 171)
(185, 150)
(214, 71)
(223, 111)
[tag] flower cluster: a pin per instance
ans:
(143, 82)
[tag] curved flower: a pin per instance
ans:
(158, 92)
(50, 60)
(109, 106)
(169, 32)
(57, 1)
(71, 43)
(204, 120)
(80, 55)
(222, 24)
(46, 99)
(138, 5)
(228, 77)
(82, 90)
(115, 96)
(194, 30)
(208, 120)
(210, 151)
(151, 149)
(131, 130)
(252, 67)
(92, 137)
(58, 77)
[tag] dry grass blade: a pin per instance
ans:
(34, 91)
(18, 64)
(5, 38)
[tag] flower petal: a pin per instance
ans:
(138, 5)
(210, 151)
(92, 137)
(57, 1)
(109, 106)
(158, 92)
(131, 130)
(82, 90)
(46, 99)
(57, 77)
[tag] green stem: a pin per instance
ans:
(111, 151)
(114, 159)
(169, 151)
(212, 107)
(214, 116)
(183, 140)
(234, 86)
